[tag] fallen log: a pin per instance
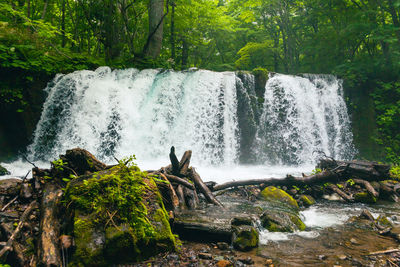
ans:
(190, 198)
(366, 170)
(203, 188)
(178, 180)
(49, 249)
(181, 196)
(367, 186)
(322, 177)
(342, 194)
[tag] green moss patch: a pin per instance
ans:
(274, 194)
(119, 217)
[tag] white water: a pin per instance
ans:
(124, 112)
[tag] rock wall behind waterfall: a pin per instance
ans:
(216, 114)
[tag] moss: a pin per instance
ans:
(307, 200)
(123, 207)
(3, 171)
(383, 221)
(394, 172)
(298, 222)
(274, 194)
(365, 197)
(245, 238)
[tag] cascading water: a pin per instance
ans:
(215, 114)
(302, 118)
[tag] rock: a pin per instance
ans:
(247, 260)
(280, 221)
(245, 237)
(205, 256)
(365, 197)
(365, 214)
(3, 171)
(223, 245)
(10, 187)
(237, 221)
(224, 263)
(306, 200)
(322, 257)
(119, 218)
(274, 194)
(342, 257)
(354, 241)
(383, 221)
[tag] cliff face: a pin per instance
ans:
(21, 101)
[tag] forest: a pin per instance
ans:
(357, 40)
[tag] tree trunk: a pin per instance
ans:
(63, 24)
(156, 17)
(173, 31)
(185, 53)
(45, 9)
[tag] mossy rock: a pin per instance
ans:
(306, 200)
(383, 221)
(280, 221)
(245, 237)
(3, 171)
(261, 78)
(394, 172)
(365, 197)
(274, 194)
(119, 218)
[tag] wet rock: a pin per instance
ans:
(306, 200)
(274, 194)
(224, 263)
(281, 221)
(245, 237)
(247, 260)
(237, 221)
(223, 245)
(205, 256)
(3, 171)
(365, 197)
(354, 241)
(342, 257)
(383, 222)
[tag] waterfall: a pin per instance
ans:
(215, 114)
(303, 117)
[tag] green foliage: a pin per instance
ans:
(255, 55)
(315, 171)
(350, 182)
(395, 172)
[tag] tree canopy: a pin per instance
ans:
(358, 40)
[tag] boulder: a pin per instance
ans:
(306, 200)
(10, 187)
(273, 194)
(365, 197)
(119, 217)
(3, 171)
(281, 221)
(245, 237)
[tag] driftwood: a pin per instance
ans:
(174, 161)
(384, 252)
(79, 161)
(367, 186)
(49, 249)
(342, 194)
(181, 196)
(178, 180)
(185, 162)
(203, 188)
(172, 193)
(333, 172)
(15, 234)
(322, 177)
(191, 198)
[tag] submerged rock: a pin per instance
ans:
(245, 237)
(3, 171)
